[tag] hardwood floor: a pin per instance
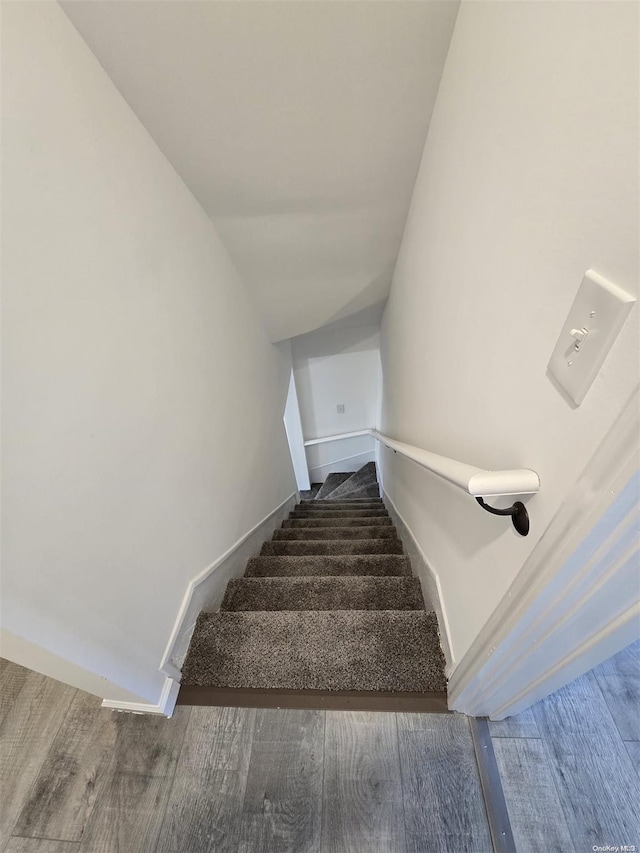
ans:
(76, 778)
(569, 766)
(89, 780)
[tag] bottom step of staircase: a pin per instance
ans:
(381, 650)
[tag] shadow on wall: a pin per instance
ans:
(371, 298)
(325, 342)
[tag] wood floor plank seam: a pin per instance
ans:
(402, 785)
(42, 838)
(324, 767)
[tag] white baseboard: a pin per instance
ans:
(206, 590)
(164, 706)
(28, 654)
(428, 576)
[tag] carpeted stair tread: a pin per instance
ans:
(335, 565)
(341, 521)
(332, 482)
(323, 593)
(317, 650)
(335, 532)
(335, 546)
(357, 485)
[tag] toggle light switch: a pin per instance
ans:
(595, 318)
(579, 335)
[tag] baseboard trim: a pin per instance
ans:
(164, 707)
(190, 607)
(316, 700)
(427, 569)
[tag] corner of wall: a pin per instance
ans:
(163, 707)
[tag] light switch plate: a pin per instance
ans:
(595, 318)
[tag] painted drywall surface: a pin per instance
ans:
(41, 660)
(337, 366)
(333, 366)
(325, 107)
(143, 403)
(529, 177)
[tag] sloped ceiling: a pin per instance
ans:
(298, 126)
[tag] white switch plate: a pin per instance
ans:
(599, 309)
(340, 408)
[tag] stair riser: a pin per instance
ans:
(343, 546)
(337, 522)
(323, 593)
(347, 565)
(313, 533)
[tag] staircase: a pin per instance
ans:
(327, 616)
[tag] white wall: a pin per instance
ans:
(529, 177)
(331, 366)
(143, 404)
(298, 126)
(295, 437)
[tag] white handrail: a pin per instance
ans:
(337, 437)
(475, 481)
(478, 482)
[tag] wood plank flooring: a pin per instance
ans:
(362, 784)
(227, 780)
(439, 769)
(76, 778)
(570, 766)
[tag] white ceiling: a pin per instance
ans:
(298, 126)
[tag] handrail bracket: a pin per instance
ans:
(518, 513)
